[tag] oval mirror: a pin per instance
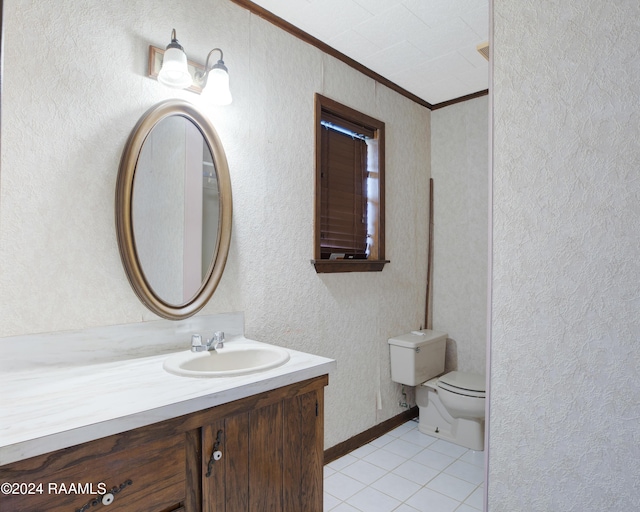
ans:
(173, 209)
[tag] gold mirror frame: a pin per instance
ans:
(124, 197)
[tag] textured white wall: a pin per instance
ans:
(460, 172)
(74, 86)
(565, 394)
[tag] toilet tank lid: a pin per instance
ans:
(416, 339)
(464, 380)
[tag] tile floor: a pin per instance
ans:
(405, 471)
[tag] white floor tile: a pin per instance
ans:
(405, 508)
(400, 447)
(416, 437)
(345, 507)
(406, 471)
(426, 500)
(475, 458)
(384, 459)
(396, 486)
(363, 451)
(416, 472)
(342, 486)
(382, 440)
(435, 460)
(451, 486)
(364, 472)
(465, 471)
(342, 462)
(476, 500)
(466, 508)
(329, 502)
(450, 449)
(371, 500)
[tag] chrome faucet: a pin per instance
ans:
(216, 342)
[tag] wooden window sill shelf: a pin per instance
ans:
(334, 266)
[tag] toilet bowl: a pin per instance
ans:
(451, 405)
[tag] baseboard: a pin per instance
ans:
(337, 451)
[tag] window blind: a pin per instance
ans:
(343, 212)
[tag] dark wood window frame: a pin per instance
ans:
(328, 109)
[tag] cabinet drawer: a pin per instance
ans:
(147, 477)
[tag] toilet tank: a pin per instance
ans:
(417, 356)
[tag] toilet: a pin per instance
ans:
(451, 405)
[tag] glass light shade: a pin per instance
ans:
(174, 71)
(217, 88)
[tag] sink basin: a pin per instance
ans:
(227, 362)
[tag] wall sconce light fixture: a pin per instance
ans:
(172, 68)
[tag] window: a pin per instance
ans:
(349, 193)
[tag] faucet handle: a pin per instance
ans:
(217, 341)
(196, 343)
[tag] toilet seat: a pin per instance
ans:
(462, 383)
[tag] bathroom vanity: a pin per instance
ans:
(263, 452)
(157, 442)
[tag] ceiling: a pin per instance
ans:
(427, 47)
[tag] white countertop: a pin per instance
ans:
(46, 407)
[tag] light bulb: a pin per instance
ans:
(175, 71)
(217, 88)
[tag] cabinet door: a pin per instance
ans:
(246, 473)
(303, 452)
(270, 460)
(266, 462)
(225, 481)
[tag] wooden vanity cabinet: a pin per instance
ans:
(140, 473)
(269, 458)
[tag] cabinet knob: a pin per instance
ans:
(216, 455)
(107, 499)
